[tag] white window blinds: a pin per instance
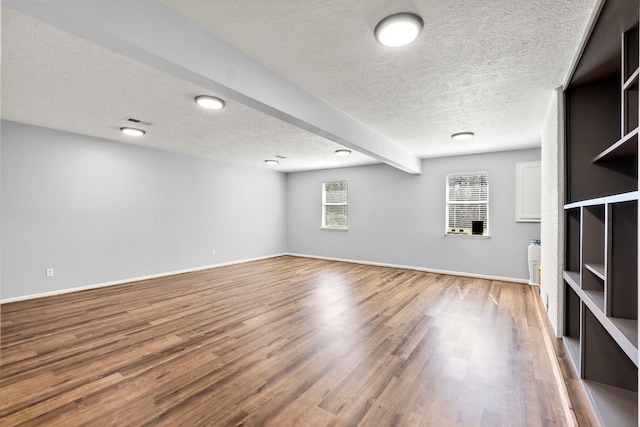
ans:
(334, 205)
(467, 202)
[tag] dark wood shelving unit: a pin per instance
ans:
(601, 214)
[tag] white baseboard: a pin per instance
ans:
(131, 280)
(207, 267)
(409, 267)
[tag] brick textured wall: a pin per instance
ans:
(552, 259)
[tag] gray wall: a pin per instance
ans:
(99, 211)
(397, 218)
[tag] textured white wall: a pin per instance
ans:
(552, 256)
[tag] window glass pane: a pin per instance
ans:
(336, 192)
(460, 216)
(335, 216)
(468, 188)
(334, 208)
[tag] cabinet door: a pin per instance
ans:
(528, 191)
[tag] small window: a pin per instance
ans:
(468, 203)
(334, 205)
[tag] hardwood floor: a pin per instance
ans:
(282, 342)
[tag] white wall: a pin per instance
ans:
(397, 218)
(552, 256)
(100, 211)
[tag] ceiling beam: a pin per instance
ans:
(152, 33)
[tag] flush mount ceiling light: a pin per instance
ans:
(462, 136)
(132, 131)
(343, 152)
(398, 30)
(209, 102)
(271, 162)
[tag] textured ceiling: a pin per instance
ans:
(485, 66)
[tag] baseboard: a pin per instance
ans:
(559, 379)
(131, 280)
(207, 267)
(409, 267)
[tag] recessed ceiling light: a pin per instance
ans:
(398, 30)
(132, 131)
(343, 152)
(271, 162)
(209, 102)
(462, 136)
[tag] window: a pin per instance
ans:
(334, 205)
(467, 202)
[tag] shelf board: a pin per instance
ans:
(597, 297)
(623, 331)
(573, 348)
(573, 279)
(597, 269)
(614, 406)
(615, 198)
(628, 328)
(622, 148)
(631, 80)
(594, 300)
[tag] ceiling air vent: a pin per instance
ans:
(132, 120)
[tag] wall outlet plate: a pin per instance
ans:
(50, 272)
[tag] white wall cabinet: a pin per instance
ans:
(528, 191)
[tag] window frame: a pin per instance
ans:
(324, 225)
(447, 231)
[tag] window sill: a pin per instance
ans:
(467, 236)
(334, 229)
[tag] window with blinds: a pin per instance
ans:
(334, 205)
(467, 203)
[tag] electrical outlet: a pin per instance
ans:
(50, 272)
(213, 251)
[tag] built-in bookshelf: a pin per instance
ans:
(601, 214)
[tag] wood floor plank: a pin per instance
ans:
(43, 411)
(286, 341)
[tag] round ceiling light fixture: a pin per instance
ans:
(209, 102)
(398, 30)
(462, 136)
(132, 131)
(271, 162)
(343, 152)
